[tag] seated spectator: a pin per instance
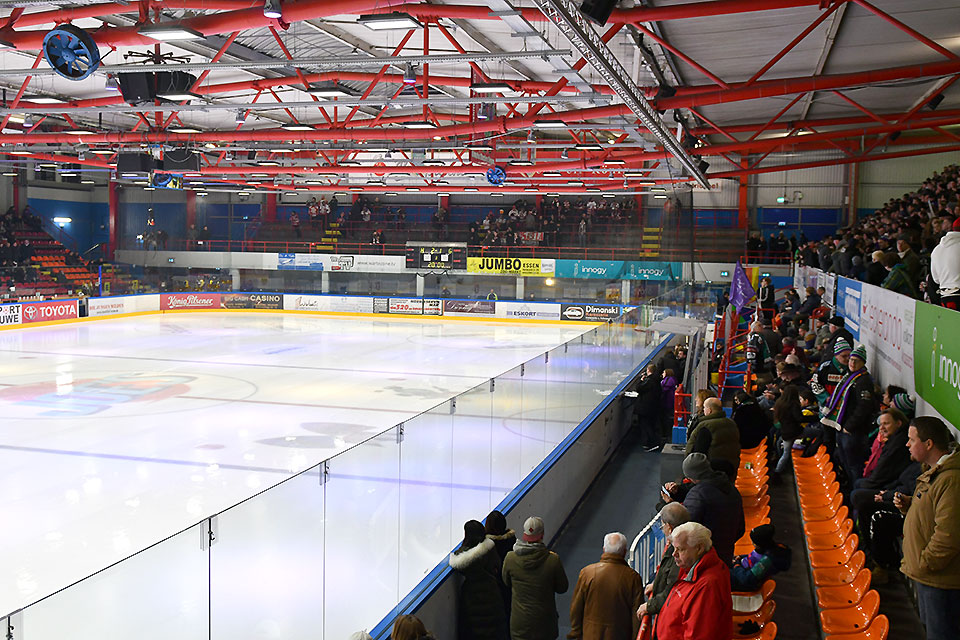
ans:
(898, 278)
(753, 423)
(481, 612)
(672, 515)
(533, 574)
(407, 627)
(606, 596)
(768, 557)
(697, 416)
(717, 436)
(714, 502)
(700, 605)
(888, 454)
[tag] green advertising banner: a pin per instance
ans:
(937, 359)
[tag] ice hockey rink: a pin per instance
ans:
(119, 433)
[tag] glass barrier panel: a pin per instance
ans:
(426, 479)
(472, 495)
(361, 553)
(507, 431)
(533, 444)
(267, 569)
(158, 594)
(563, 374)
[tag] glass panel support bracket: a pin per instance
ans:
(209, 533)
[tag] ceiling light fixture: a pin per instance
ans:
(550, 124)
(296, 127)
(330, 90)
(521, 163)
(419, 124)
(409, 74)
(165, 32)
(589, 146)
(387, 21)
(111, 83)
(184, 130)
(240, 118)
(178, 96)
(490, 87)
(272, 9)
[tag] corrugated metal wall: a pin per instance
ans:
(885, 179)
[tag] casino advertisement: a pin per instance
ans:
(251, 301)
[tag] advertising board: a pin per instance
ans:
(529, 310)
(410, 306)
(937, 358)
(432, 307)
(513, 266)
(589, 312)
(469, 307)
(887, 328)
(849, 304)
(98, 307)
(339, 263)
(46, 311)
(10, 314)
(251, 301)
(202, 300)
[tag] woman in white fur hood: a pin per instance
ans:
(482, 615)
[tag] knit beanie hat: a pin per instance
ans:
(859, 352)
(906, 404)
(762, 536)
(837, 321)
(696, 466)
(841, 346)
(533, 529)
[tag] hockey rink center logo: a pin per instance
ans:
(92, 396)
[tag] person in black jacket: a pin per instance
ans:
(481, 611)
(766, 297)
(837, 330)
(647, 408)
(753, 422)
(503, 540)
(851, 409)
(892, 457)
(714, 502)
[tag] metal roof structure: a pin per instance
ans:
(718, 84)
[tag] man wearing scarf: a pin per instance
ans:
(850, 411)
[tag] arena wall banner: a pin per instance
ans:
(606, 269)
(251, 301)
(10, 314)
(529, 310)
(340, 263)
(537, 267)
(202, 300)
(829, 283)
(469, 307)
(117, 305)
(652, 270)
(887, 323)
(432, 307)
(590, 312)
(46, 311)
(328, 304)
(937, 359)
(849, 303)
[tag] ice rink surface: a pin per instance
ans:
(118, 433)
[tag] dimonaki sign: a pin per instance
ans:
(937, 359)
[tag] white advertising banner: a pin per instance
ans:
(328, 304)
(10, 314)
(886, 329)
(340, 263)
(529, 310)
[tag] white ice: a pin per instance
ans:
(118, 433)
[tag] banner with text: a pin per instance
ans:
(10, 314)
(538, 267)
(590, 312)
(340, 263)
(469, 307)
(937, 359)
(328, 304)
(251, 301)
(46, 311)
(887, 328)
(849, 304)
(203, 300)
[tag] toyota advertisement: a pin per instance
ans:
(47, 311)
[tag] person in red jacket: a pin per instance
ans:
(700, 605)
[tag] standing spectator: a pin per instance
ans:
(898, 278)
(876, 272)
(714, 502)
(945, 267)
(481, 612)
(788, 418)
(850, 410)
(759, 355)
(313, 211)
(908, 257)
(697, 416)
(533, 574)
(931, 530)
(647, 408)
(503, 540)
(717, 436)
(192, 237)
(830, 372)
(582, 232)
(295, 223)
(838, 330)
(607, 595)
(766, 297)
(700, 605)
(753, 423)
(203, 238)
(672, 515)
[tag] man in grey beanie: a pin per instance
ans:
(715, 503)
(533, 574)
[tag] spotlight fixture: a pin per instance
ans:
(27, 122)
(272, 9)
(165, 32)
(565, 154)
(111, 83)
(387, 21)
(240, 118)
(703, 166)
(490, 87)
(409, 74)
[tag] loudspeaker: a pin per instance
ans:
(180, 160)
(137, 88)
(935, 101)
(174, 82)
(598, 11)
(135, 162)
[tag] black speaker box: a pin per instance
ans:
(180, 160)
(135, 163)
(598, 11)
(174, 82)
(137, 88)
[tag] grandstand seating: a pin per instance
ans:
(47, 274)
(849, 609)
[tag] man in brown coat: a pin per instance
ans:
(607, 595)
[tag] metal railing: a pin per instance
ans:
(647, 550)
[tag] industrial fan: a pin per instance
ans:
(71, 52)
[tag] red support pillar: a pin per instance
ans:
(445, 203)
(270, 211)
(191, 208)
(743, 214)
(113, 198)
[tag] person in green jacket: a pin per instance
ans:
(533, 574)
(898, 278)
(672, 515)
(718, 437)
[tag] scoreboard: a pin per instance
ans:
(436, 255)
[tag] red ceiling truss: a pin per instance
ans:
(857, 131)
